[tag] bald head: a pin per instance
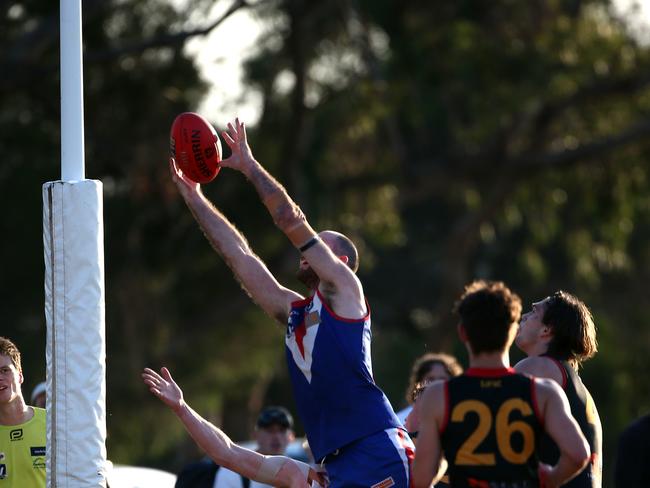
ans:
(341, 245)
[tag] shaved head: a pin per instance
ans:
(341, 245)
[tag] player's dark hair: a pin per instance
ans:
(488, 310)
(8, 348)
(574, 332)
(422, 366)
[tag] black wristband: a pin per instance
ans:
(308, 244)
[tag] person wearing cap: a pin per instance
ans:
(273, 433)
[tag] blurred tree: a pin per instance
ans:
(456, 140)
(451, 140)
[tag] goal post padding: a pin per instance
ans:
(73, 241)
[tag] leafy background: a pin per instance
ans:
(452, 140)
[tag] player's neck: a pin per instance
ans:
(15, 412)
(492, 360)
(537, 349)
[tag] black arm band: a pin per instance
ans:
(309, 244)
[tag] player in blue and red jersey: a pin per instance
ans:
(350, 424)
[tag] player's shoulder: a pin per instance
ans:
(539, 366)
(434, 392)
(547, 389)
(40, 414)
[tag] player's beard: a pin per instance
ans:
(308, 277)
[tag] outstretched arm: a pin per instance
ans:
(564, 430)
(274, 470)
(288, 217)
(248, 268)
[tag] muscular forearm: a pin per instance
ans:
(276, 470)
(222, 235)
(565, 469)
(285, 212)
(216, 443)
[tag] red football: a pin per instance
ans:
(196, 147)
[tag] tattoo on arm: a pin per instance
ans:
(286, 214)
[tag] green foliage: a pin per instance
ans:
(451, 140)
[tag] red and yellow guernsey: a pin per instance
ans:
(491, 429)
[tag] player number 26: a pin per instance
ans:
(505, 429)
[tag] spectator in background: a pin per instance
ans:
(273, 433)
(39, 398)
(22, 428)
(633, 457)
(427, 368)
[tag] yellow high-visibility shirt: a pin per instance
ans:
(22, 453)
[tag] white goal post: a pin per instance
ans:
(73, 241)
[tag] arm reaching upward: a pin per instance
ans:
(338, 281)
(248, 268)
(274, 470)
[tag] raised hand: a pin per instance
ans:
(164, 387)
(184, 184)
(241, 155)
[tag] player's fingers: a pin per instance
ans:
(175, 170)
(150, 373)
(229, 140)
(166, 374)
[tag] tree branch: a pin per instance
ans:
(164, 40)
(563, 159)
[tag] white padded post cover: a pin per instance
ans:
(73, 241)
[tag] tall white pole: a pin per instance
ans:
(73, 242)
(72, 110)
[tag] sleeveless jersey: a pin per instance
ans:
(491, 429)
(584, 411)
(331, 373)
(22, 453)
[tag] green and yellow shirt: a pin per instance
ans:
(22, 453)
